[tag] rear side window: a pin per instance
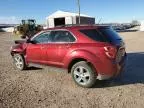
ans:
(94, 35)
(110, 33)
(61, 36)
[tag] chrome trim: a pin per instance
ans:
(56, 42)
(37, 35)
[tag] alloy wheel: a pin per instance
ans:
(18, 62)
(81, 75)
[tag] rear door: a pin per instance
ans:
(61, 41)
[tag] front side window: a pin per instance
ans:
(42, 38)
(61, 36)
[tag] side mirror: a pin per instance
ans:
(31, 41)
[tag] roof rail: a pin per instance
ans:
(70, 25)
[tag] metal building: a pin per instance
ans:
(64, 18)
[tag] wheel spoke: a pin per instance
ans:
(78, 79)
(77, 73)
(86, 74)
(84, 80)
(20, 63)
(81, 69)
(16, 59)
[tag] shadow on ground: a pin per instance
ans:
(134, 72)
(34, 68)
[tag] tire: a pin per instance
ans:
(83, 74)
(19, 62)
(120, 76)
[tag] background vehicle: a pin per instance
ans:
(88, 52)
(27, 28)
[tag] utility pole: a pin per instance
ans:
(78, 2)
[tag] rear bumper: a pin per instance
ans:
(103, 77)
(113, 70)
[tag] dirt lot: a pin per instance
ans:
(53, 88)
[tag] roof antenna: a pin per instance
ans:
(99, 20)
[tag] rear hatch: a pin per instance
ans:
(103, 34)
(113, 38)
(108, 35)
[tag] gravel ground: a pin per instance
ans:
(54, 88)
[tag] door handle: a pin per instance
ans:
(42, 47)
(67, 46)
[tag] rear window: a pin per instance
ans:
(101, 34)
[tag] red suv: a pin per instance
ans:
(88, 52)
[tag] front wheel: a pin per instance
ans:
(83, 74)
(19, 62)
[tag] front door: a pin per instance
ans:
(36, 51)
(33, 52)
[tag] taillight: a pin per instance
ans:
(110, 52)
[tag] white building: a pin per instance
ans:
(142, 26)
(64, 18)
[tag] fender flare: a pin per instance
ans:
(80, 54)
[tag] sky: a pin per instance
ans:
(12, 11)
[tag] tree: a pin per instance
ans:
(135, 22)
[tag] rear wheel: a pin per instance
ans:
(19, 62)
(83, 74)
